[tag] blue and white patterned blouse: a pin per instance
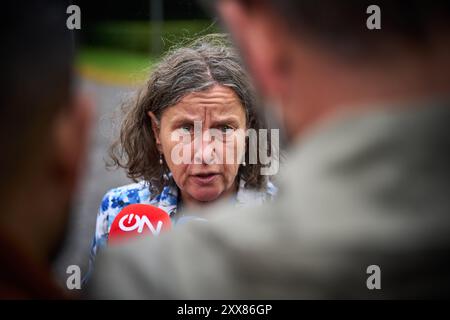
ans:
(118, 198)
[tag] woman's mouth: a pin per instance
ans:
(204, 178)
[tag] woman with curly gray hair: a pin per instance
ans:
(201, 90)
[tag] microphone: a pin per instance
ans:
(136, 220)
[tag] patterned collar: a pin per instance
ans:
(168, 199)
(169, 202)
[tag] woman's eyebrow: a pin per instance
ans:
(180, 119)
(231, 120)
(184, 118)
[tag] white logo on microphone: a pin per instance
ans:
(139, 224)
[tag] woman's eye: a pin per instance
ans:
(226, 129)
(186, 128)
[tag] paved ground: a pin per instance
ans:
(96, 178)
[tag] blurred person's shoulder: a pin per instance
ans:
(334, 200)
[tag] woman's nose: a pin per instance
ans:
(204, 150)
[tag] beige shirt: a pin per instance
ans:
(366, 189)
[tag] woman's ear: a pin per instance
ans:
(155, 128)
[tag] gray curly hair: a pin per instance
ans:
(207, 61)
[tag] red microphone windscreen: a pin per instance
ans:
(137, 219)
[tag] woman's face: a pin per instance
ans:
(202, 139)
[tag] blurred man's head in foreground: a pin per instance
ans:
(43, 129)
(317, 58)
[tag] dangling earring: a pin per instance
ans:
(161, 162)
(243, 157)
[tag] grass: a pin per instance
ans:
(117, 51)
(114, 66)
(137, 35)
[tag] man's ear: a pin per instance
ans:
(156, 129)
(263, 43)
(71, 138)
